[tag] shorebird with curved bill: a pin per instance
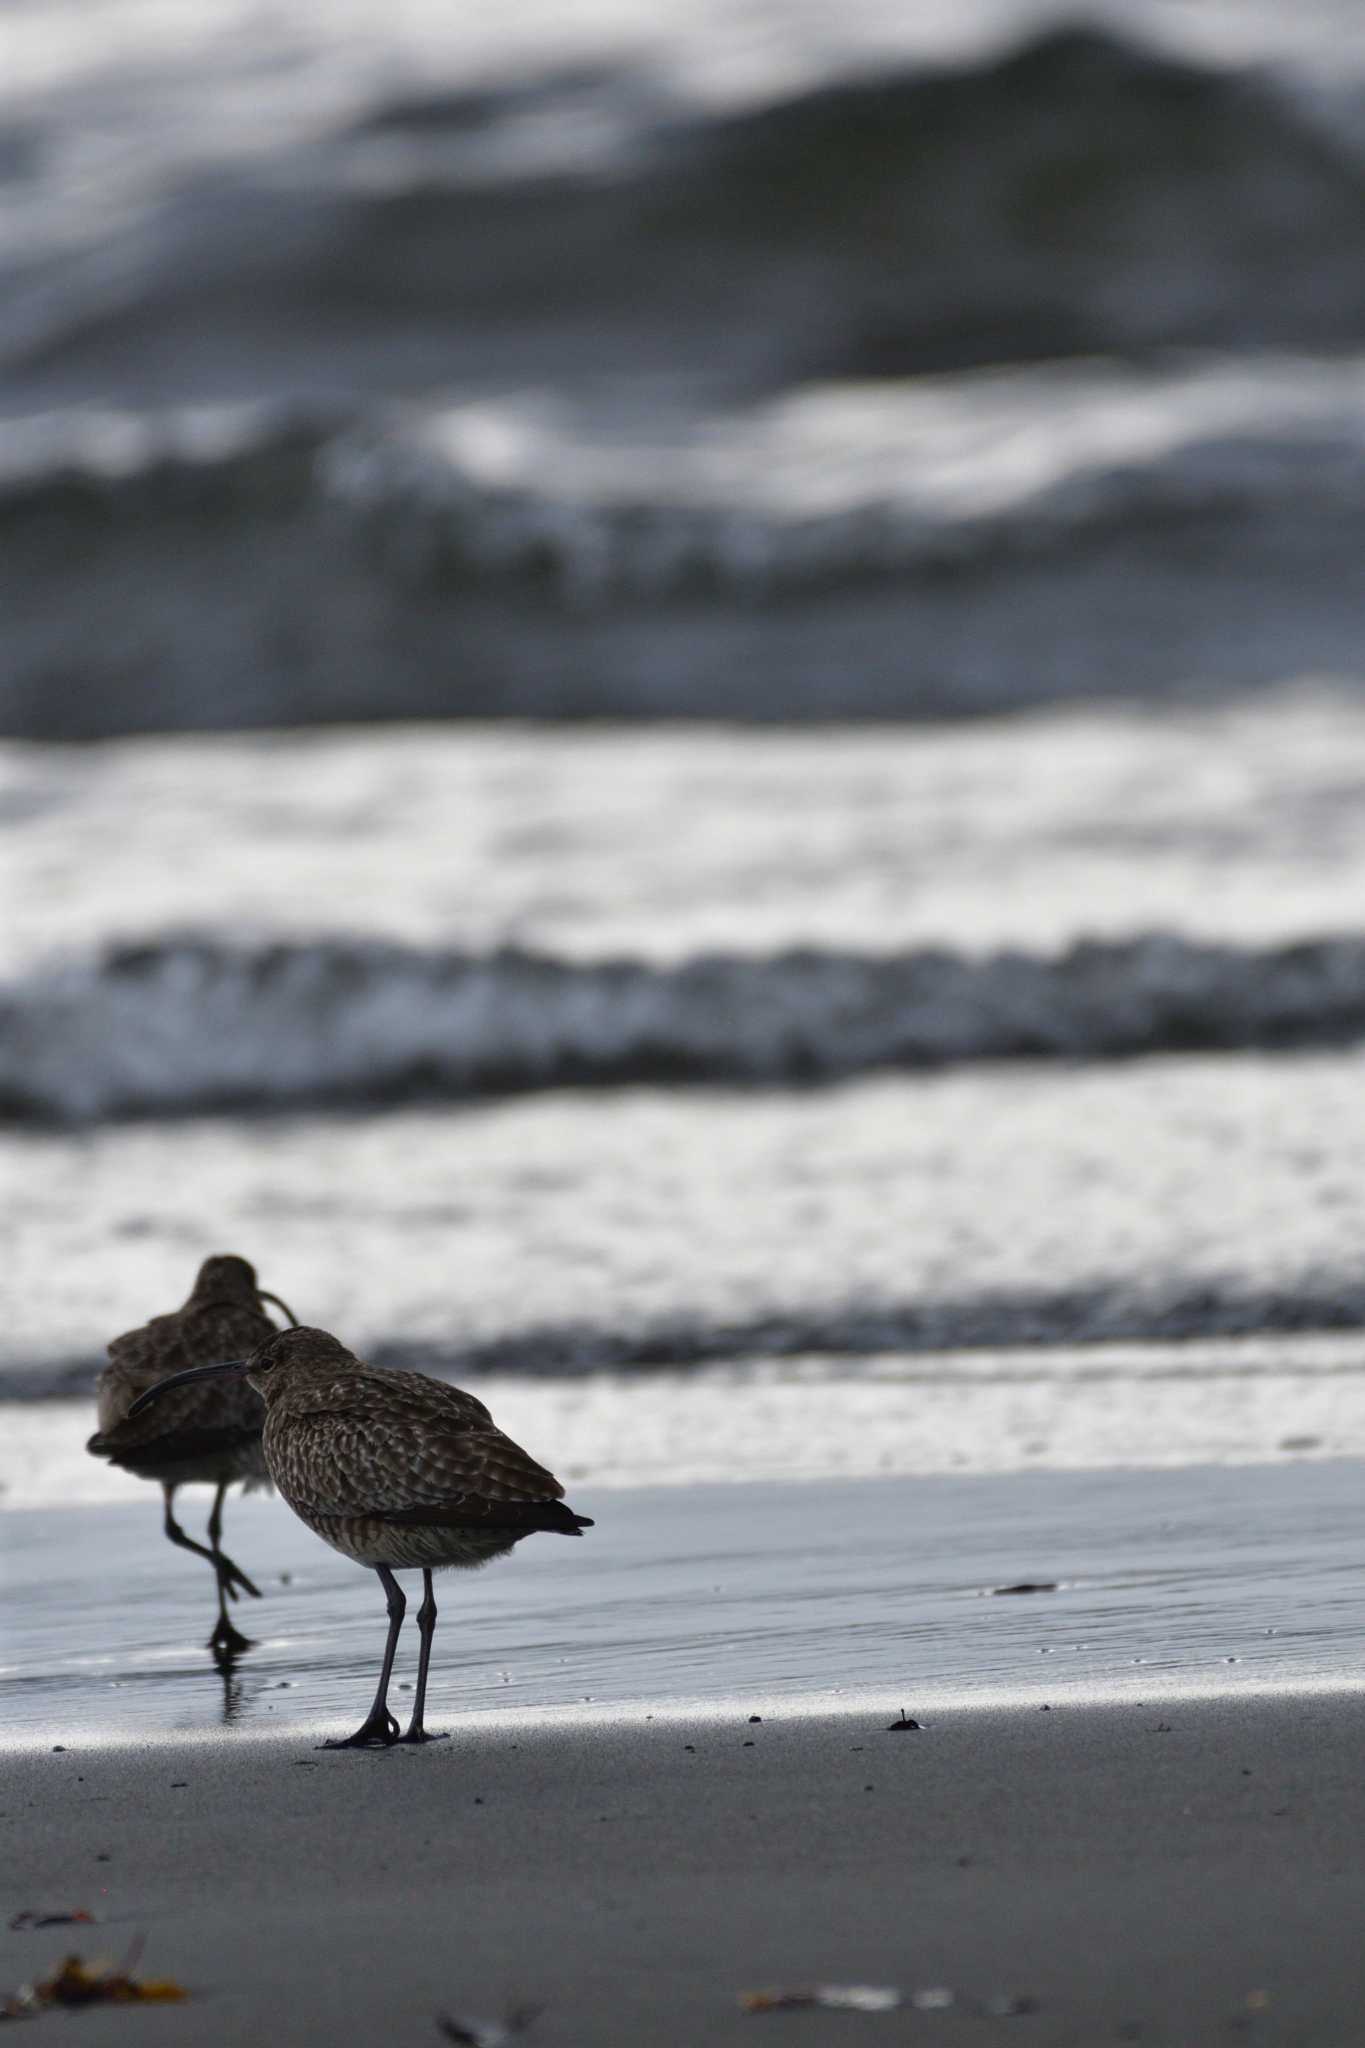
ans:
(395, 1470)
(207, 1434)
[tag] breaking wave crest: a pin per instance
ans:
(186, 1026)
(972, 544)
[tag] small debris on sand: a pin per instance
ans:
(831, 1997)
(27, 1919)
(471, 2033)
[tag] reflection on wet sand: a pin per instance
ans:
(714, 1598)
(234, 1695)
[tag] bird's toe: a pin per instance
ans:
(235, 1582)
(379, 1732)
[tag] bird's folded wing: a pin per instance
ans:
(393, 1464)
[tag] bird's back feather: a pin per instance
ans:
(401, 1447)
(215, 1417)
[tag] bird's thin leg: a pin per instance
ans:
(426, 1628)
(177, 1534)
(226, 1639)
(235, 1577)
(222, 1565)
(379, 1726)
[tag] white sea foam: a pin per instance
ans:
(979, 1207)
(1263, 1400)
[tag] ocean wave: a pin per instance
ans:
(1079, 194)
(972, 544)
(189, 1026)
(763, 473)
(855, 489)
(988, 1337)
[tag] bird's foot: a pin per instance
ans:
(234, 1580)
(227, 1641)
(417, 1733)
(379, 1731)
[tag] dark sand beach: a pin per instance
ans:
(1174, 1872)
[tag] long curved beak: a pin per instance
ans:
(230, 1368)
(265, 1295)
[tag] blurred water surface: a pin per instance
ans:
(910, 462)
(765, 362)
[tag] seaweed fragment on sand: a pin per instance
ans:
(77, 1983)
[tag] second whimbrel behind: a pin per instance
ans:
(209, 1433)
(395, 1470)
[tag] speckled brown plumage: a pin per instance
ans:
(397, 1471)
(210, 1432)
(393, 1468)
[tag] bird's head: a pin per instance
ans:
(227, 1278)
(292, 1355)
(284, 1359)
(226, 1274)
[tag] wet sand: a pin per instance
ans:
(1166, 1872)
(1202, 1579)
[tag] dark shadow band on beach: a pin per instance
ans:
(1158, 1869)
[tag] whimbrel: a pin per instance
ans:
(209, 1433)
(395, 1470)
